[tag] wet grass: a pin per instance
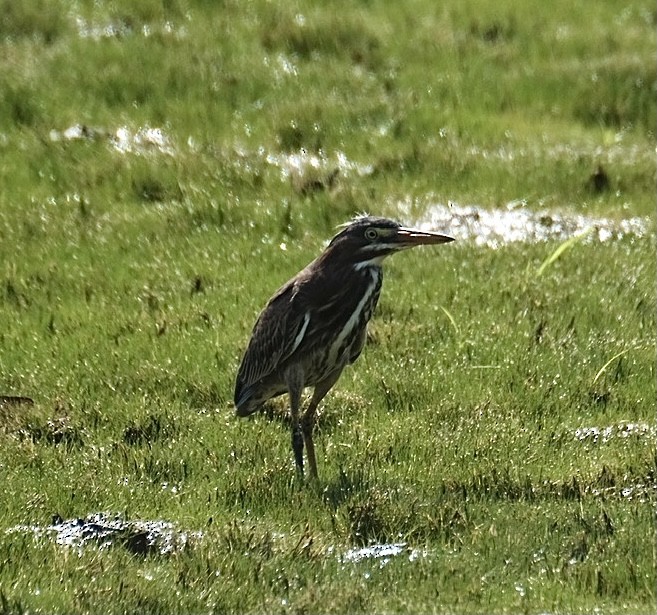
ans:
(129, 282)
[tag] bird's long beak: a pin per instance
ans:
(410, 237)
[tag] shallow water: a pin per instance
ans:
(382, 552)
(298, 162)
(122, 29)
(376, 551)
(495, 228)
(603, 435)
(308, 171)
(123, 139)
(105, 530)
(145, 139)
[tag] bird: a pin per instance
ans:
(316, 324)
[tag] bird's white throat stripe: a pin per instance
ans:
(354, 319)
(377, 261)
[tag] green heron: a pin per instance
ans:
(316, 323)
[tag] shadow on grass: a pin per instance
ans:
(343, 487)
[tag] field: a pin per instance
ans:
(165, 166)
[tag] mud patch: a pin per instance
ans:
(15, 400)
(498, 227)
(105, 530)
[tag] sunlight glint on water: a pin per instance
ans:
(495, 228)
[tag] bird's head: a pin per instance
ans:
(367, 240)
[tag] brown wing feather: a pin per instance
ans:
(273, 338)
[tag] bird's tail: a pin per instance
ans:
(244, 402)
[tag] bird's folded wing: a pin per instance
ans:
(279, 331)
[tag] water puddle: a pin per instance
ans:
(614, 148)
(641, 492)
(123, 140)
(303, 161)
(106, 530)
(314, 171)
(602, 435)
(122, 29)
(498, 227)
(282, 65)
(382, 553)
(145, 139)
(616, 152)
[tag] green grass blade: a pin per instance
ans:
(608, 363)
(452, 320)
(566, 245)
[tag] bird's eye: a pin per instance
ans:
(371, 234)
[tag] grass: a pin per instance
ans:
(129, 282)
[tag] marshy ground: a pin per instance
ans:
(166, 166)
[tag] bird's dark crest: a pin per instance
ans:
(363, 221)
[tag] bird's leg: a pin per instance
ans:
(308, 421)
(294, 378)
(297, 437)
